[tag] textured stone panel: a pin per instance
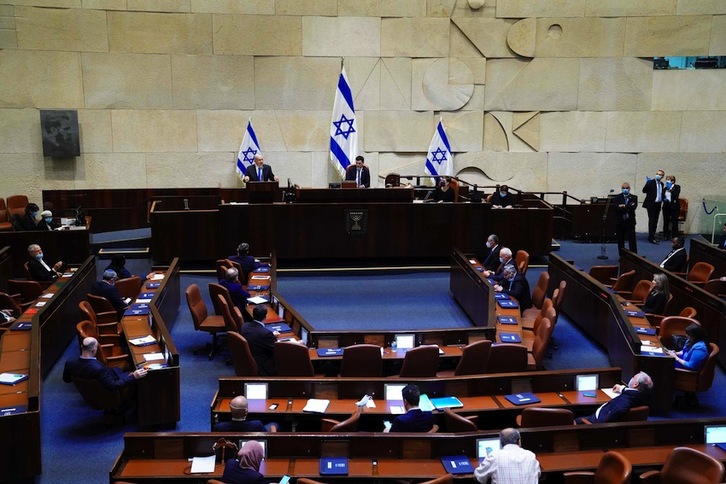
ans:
(341, 36)
(465, 130)
(521, 37)
(667, 36)
(537, 85)
(309, 130)
(198, 169)
(526, 127)
(521, 170)
(295, 83)
(489, 35)
(496, 136)
(382, 8)
(20, 131)
(582, 37)
(592, 174)
(257, 35)
(221, 130)
(440, 8)
(397, 131)
(683, 90)
(696, 7)
(477, 100)
(718, 35)
(297, 166)
(616, 84)
(306, 7)
(528, 8)
(250, 7)
(419, 101)
(448, 84)
(213, 82)
(49, 3)
(414, 37)
(473, 8)
(460, 45)
(178, 6)
(96, 134)
(364, 76)
(104, 5)
(401, 163)
(628, 8)
(573, 131)
(51, 29)
(703, 131)
(154, 131)
(152, 33)
(478, 67)
(40, 79)
(114, 81)
(643, 131)
(8, 39)
(101, 170)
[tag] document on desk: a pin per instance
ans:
(609, 392)
(47, 295)
(142, 300)
(145, 341)
(397, 409)
(153, 356)
(257, 300)
(157, 277)
(260, 278)
(203, 465)
(316, 405)
(12, 378)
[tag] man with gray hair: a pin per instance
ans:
(38, 269)
(505, 258)
(236, 291)
(511, 464)
(516, 285)
(106, 288)
(635, 394)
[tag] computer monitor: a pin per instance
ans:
(485, 446)
(405, 341)
(714, 434)
(392, 391)
(262, 442)
(304, 335)
(256, 391)
(586, 383)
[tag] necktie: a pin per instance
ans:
(259, 174)
(657, 192)
(625, 215)
(357, 181)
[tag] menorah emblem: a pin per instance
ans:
(356, 221)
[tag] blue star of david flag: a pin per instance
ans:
(247, 150)
(439, 161)
(343, 128)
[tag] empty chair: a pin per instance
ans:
(559, 296)
(202, 320)
(528, 337)
(129, 287)
(624, 283)
(716, 287)
(539, 294)
(244, 363)
(459, 423)
(699, 274)
(701, 380)
(16, 205)
(521, 258)
(507, 358)
(27, 291)
(361, 360)
(530, 323)
(636, 414)
(613, 468)
(101, 305)
(604, 274)
(5, 223)
(539, 347)
(232, 321)
(686, 465)
(545, 417)
(640, 292)
(9, 302)
(348, 425)
(106, 323)
(293, 359)
(422, 361)
(474, 359)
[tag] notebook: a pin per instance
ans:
(525, 398)
(441, 403)
(11, 410)
(510, 338)
(21, 325)
(502, 297)
(425, 404)
(152, 285)
(316, 405)
(137, 310)
(145, 341)
(322, 352)
(635, 314)
(506, 320)
(258, 288)
(257, 300)
(334, 466)
(642, 330)
(279, 327)
(262, 269)
(457, 464)
(12, 378)
(507, 304)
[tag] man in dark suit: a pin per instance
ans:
(236, 291)
(238, 407)
(635, 394)
(625, 205)
(258, 171)
(244, 259)
(359, 173)
(504, 259)
(516, 285)
(491, 262)
(722, 244)
(106, 288)
(261, 341)
(677, 258)
(653, 190)
(415, 419)
(88, 367)
(38, 269)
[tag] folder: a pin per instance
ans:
(648, 331)
(258, 288)
(21, 325)
(441, 403)
(322, 352)
(525, 398)
(507, 304)
(635, 314)
(257, 300)
(144, 341)
(137, 310)
(12, 410)
(152, 285)
(279, 327)
(334, 466)
(12, 378)
(506, 320)
(457, 464)
(262, 269)
(502, 296)
(316, 405)
(510, 338)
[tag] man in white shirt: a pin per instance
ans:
(509, 465)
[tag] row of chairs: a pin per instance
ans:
(15, 206)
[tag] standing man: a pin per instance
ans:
(653, 190)
(359, 173)
(258, 171)
(625, 205)
(261, 341)
(510, 464)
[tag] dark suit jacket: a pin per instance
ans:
(655, 303)
(262, 344)
(518, 288)
(722, 244)
(25, 222)
(502, 201)
(40, 273)
(92, 369)
(491, 262)
(415, 420)
(237, 293)
(673, 206)
(267, 174)
(632, 204)
(650, 191)
(676, 260)
(365, 176)
(240, 426)
(615, 409)
(100, 288)
(234, 474)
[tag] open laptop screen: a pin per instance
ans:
(304, 335)
(405, 341)
(392, 391)
(586, 383)
(484, 447)
(715, 434)
(256, 391)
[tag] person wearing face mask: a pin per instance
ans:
(625, 205)
(46, 220)
(516, 285)
(38, 269)
(502, 198)
(29, 221)
(671, 207)
(505, 258)
(491, 262)
(653, 190)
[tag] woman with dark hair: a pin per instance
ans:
(245, 469)
(658, 295)
(30, 220)
(694, 353)
(444, 191)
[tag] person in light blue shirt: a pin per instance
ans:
(695, 352)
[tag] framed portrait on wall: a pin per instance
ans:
(59, 129)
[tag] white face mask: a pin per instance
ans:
(489, 245)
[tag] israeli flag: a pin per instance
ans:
(343, 128)
(439, 161)
(247, 150)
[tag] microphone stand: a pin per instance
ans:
(603, 248)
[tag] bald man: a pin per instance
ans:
(258, 171)
(88, 367)
(239, 407)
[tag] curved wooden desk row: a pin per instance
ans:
(153, 457)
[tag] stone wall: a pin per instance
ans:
(542, 95)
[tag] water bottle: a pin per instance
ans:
(394, 346)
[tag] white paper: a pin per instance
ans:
(260, 278)
(142, 301)
(157, 277)
(645, 342)
(10, 378)
(256, 300)
(651, 349)
(397, 409)
(609, 392)
(143, 341)
(153, 356)
(472, 261)
(40, 304)
(203, 465)
(316, 405)
(47, 295)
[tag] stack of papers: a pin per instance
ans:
(12, 378)
(157, 277)
(203, 465)
(145, 341)
(316, 405)
(257, 300)
(153, 356)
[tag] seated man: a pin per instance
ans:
(505, 258)
(239, 423)
(414, 420)
(46, 221)
(636, 394)
(246, 261)
(39, 270)
(677, 258)
(236, 291)
(491, 262)
(516, 285)
(88, 367)
(510, 463)
(261, 341)
(359, 173)
(106, 288)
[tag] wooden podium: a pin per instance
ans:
(261, 192)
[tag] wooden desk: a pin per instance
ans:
(6, 267)
(702, 251)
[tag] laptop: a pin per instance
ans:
(485, 447)
(405, 341)
(262, 442)
(457, 464)
(392, 391)
(715, 434)
(586, 383)
(256, 391)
